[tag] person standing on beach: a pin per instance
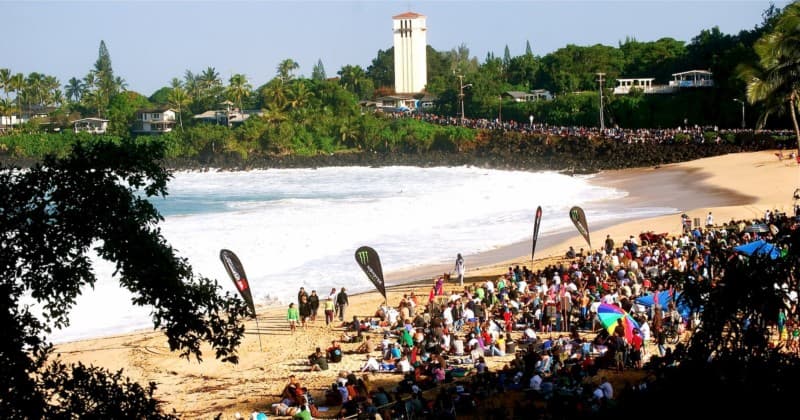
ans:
(330, 310)
(332, 296)
(709, 220)
(341, 303)
(304, 308)
(609, 245)
(301, 293)
(292, 315)
(460, 269)
(313, 300)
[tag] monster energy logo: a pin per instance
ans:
(232, 267)
(363, 257)
(574, 214)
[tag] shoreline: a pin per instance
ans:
(206, 389)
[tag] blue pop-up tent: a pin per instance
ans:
(663, 299)
(759, 247)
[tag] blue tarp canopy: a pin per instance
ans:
(759, 247)
(663, 299)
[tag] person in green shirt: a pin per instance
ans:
(293, 316)
(303, 414)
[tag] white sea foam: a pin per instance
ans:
(300, 227)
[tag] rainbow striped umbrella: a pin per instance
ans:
(609, 315)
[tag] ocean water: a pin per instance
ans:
(301, 227)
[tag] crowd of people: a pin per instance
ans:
(542, 325)
(695, 133)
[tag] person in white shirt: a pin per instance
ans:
(489, 286)
(522, 286)
(371, 365)
(608, 390)
(468, 315)
(709, 220)
(391, 316)
(404, 365)
(460, 269)
(530, 334)
(644, 328)
(458, 346)
(447, 314)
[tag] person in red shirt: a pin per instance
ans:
(636, 348)
(507, 317)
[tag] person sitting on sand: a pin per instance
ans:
(293, 392)
(334, 352)
(371, 365)
(366, 346)
(318, 361)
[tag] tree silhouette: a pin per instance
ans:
(52, 215)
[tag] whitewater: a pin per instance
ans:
(301, 227)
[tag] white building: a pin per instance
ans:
(686, 79)
(692, 79)
(90, 125)
(154, 121)
(410, 57)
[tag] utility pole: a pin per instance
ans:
(602, 120)
(461, 87)
(461, 95)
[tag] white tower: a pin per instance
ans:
(410, 58)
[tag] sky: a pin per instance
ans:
(151, 42)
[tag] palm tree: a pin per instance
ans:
(299, 95)
(353, 78)
(274, 93)
(190, 83)
(209, 78)
(74, 89)
(49, 87)
(776, 81)
(285, 69)
(274, 113)
(175, 83)
(57, 97)
(5, 81)
(179, 99)
(18, 85)
(238, 88)
(120, 84)
(5, 108)
(35, 89)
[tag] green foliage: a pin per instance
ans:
(95, 199)
(204, 140)
(161, 96)
(122, 112)
(381, 71)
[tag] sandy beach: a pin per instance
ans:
(739, 186)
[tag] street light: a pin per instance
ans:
(744, 124)
(530, 118)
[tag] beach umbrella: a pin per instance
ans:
(759, 247)
(663, 298)
(610, 314)
(757, 228)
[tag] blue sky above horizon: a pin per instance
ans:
(152, 41)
